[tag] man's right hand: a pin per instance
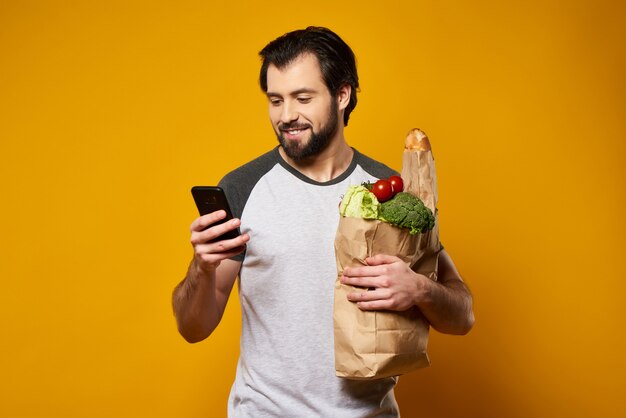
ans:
(208, 255)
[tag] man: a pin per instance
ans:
(286, 205)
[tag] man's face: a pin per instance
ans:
(303, 113)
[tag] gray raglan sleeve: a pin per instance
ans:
(239, 183)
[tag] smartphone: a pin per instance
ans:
(211, 198)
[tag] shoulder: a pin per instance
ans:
(373, 167)
(252, 170)
(238, 184)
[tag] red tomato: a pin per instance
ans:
(382, 190)
(397, 184)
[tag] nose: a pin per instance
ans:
(289, 113)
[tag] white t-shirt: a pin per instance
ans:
(286, 364)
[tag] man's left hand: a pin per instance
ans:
(394, 286)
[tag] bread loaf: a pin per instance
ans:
(416, 140)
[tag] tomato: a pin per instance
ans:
(397, 185)
(382, 190)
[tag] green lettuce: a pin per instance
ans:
(358, 202)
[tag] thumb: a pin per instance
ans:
(380, 259)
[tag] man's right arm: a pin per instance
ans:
(200, 299)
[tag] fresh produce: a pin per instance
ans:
(385, 189)
(382, 190)
(407, 211)
(358, 202)
(403, 210)
(397, 185)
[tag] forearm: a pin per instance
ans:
(448, 307)
(446, 304)
(195, 304)
(200, 299)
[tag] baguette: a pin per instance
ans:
(418, 168)
(416, 140)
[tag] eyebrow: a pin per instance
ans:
(293, 93)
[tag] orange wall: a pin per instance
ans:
(111, 111)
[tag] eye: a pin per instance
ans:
(304, 99)
(275, 102)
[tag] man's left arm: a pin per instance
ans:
(446, 303)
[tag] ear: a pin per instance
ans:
(343, 96)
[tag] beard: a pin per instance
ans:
(318, 141)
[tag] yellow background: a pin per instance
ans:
(110, 111)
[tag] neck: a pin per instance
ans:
(326, 165)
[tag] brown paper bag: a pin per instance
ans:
(377, 344)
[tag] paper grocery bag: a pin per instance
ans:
(377, 344)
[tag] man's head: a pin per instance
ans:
(336, 60)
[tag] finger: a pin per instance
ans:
(214, 232)
(222, 246)
(367, 281)
(204, 221)
(376, 305)
(228, 244)
(212, 258)
(209, 256)
(380, 259)
(369, 295)
(365, 271)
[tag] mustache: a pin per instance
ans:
(292, 126)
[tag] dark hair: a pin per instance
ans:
(336, 59)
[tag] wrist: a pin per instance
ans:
(203, 271)
(425, 290)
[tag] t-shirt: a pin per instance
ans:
(286, 290)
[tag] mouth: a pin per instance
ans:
(294, 133)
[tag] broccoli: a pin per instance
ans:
(407, 211)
